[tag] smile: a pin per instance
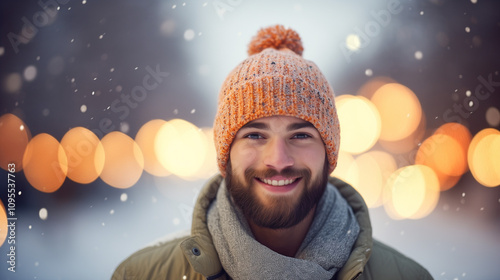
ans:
(278, 182)
(279, 185)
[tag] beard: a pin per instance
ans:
(282, 212)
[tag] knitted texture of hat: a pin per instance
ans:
(275, 80)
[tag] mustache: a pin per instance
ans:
(251, 173)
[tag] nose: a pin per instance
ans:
(277, 154)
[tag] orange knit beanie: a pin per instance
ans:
(275, 80)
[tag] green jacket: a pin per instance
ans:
(195, 257)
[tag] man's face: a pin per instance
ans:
(277, 170)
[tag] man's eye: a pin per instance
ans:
(253, 136)
(301, 136)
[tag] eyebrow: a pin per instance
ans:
(265, 126)
(299, 125)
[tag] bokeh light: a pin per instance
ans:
(145, 138)
(14, 138)
(189, 34)
(370, 87)
(124, 162)
(411, 192)
(209, 167)
(399, 109)
(353, 42)
(446, 153)
(359, 123)
(181, 148)
(45, 163)
(409, 143)
(12, 83)
(443, 154)
(85, 155)
(484, 157)
(493, 116)
(167, 28)
(463, 137)
(347, 169)
(374, 167)
(43, 214)
(29, 73)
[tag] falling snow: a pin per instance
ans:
(43, 214)
(189, 35)
(124, 127)
(418, 55)
(28, 73)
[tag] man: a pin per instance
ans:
(273, 212)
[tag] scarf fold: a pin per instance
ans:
(323, 252)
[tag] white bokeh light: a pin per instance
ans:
(189, 35)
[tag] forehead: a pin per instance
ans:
(288, 122)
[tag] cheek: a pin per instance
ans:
(243, 157)
(314, 158)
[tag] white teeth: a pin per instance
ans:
(278, 183)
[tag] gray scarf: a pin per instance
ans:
(323, 252)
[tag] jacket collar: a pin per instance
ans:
(201, 254)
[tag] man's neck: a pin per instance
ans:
(283, 241)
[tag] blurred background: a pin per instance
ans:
(106, 109)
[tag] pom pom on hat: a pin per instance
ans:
(277, 37)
